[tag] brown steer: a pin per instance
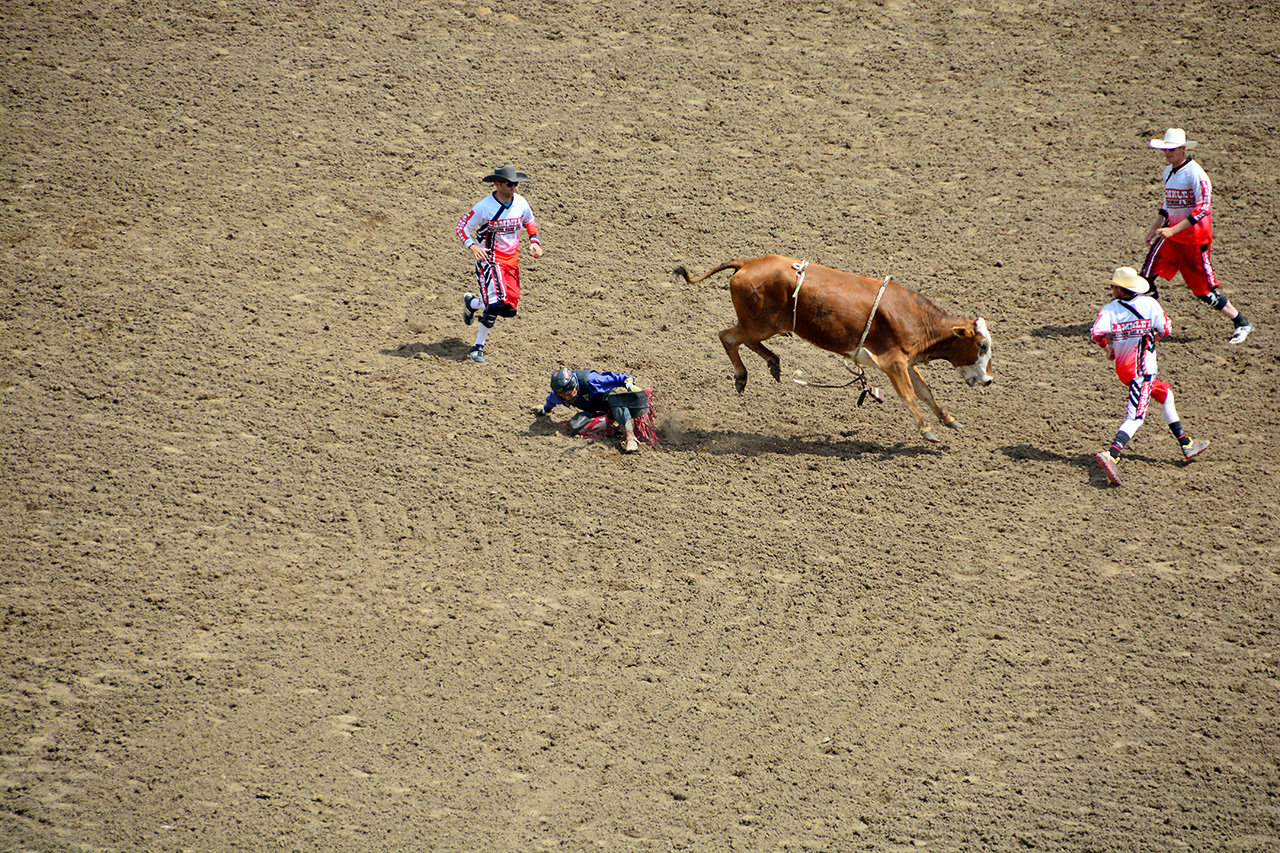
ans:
(829, 309)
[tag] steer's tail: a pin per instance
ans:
(727, 265)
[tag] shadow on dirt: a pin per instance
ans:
(452, 349)
(1081, 330)
(723, 442)
(1086, 461)
(1023, 452)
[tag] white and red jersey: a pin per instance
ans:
(1189, 195)
(496, 227)
(1133, 326)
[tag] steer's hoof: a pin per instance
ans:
(929, 436)
(955, 424)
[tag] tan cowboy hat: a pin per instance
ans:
(1174, 137)
(506, 173)
(1128, 278)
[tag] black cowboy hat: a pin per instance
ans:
(506, 173)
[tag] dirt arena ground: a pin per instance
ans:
(282, 570)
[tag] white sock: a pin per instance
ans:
(1170, 413)
(482, 335)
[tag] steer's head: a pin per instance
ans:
(973, 353)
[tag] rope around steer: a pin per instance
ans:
(861, 374)
(875, 305)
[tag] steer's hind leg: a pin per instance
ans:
(924, 392)
(770, 357)
(732, 339)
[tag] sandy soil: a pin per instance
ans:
(282, 570)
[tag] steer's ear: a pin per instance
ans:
(962, 331)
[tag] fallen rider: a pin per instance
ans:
(607, 401)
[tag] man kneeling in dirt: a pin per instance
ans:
(607, 400)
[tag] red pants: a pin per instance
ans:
(1167, 258)
(498, 283)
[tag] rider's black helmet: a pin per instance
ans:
(563, 381)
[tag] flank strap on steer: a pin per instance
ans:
(860, 375)
(795, 294)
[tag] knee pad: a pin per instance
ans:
(495, 310)
(1214, 299)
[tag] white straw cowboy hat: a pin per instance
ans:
(1174, 137)
(1128, 278)
(506, 173)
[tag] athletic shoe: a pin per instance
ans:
(1241, 332)
(632, 446)
(468, 313)
(1195, 448)
(1109, 467)
(476, 354)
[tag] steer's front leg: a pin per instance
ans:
(897, 373)
(924, 392)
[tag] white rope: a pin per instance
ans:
(862, 372)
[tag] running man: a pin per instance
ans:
(491, 230)
(1182, 236)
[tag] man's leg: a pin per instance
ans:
(1197, 270)
(1136, 413)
